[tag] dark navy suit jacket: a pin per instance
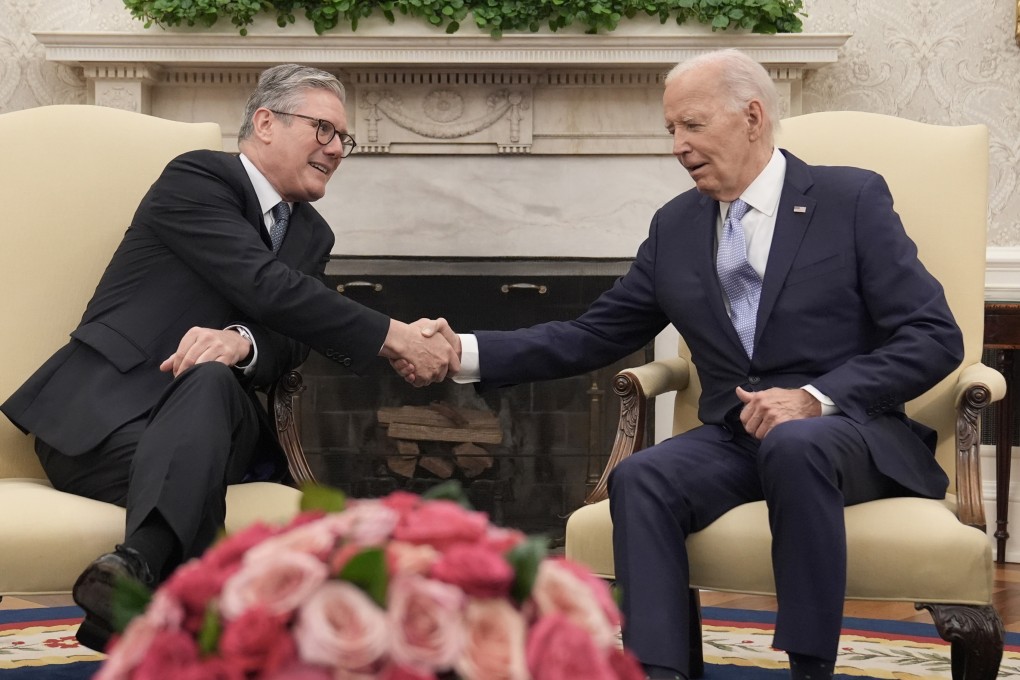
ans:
(196, 254)
(846, 306)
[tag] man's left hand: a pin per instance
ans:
(764, 410)
(206, 344)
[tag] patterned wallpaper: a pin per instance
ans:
(938, 61)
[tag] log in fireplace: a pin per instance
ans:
(526, 454)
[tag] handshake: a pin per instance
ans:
(423, 352)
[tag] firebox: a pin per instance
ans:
(526, 454)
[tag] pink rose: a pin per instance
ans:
(304, 518)
(257, 641)
(599, 588)
(163, 614)
(428, 633)
(300, 671)
(370, 522)
(280, 583)
(211, 668)
(476, 570)
(494, 647)
(193, 584)
(340, 626)
(316, 538)
(408, 558)
(441, 523)
(397, 672)
(401, 501)
(229, 551)
(558, 649)
(558, 590)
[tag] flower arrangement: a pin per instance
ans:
(404, 587)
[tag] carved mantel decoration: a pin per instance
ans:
(421, 92)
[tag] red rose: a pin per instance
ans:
(257, 640)
(211, 669)
(194, 585)
(441, 523)
(625, 665)
(169, 656)
(478, 571)
(558, 649)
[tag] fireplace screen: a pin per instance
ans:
(527, 454)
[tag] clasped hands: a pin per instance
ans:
(422, 352)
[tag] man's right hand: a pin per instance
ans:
(423, 352)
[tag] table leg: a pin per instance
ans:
(1003, 456)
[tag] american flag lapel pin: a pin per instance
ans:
(799, 209)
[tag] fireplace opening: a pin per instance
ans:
(526, 454)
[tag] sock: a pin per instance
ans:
(157, 543)
(662, 673)
(804, 667)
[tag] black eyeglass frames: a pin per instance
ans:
(325, 131)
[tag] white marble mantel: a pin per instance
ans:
(529, 145)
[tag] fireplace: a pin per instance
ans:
(530, 453)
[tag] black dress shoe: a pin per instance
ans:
(94, 589)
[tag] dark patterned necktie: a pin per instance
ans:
(281, 213)
(739, 280)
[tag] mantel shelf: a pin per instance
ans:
(656, 48)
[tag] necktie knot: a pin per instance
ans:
(281, 215)
(738, 209)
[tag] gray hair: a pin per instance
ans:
(281, 88)
(741, 80)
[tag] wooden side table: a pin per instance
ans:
(1002, 334)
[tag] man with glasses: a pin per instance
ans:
(215, 290)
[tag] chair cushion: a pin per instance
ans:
(908, 549)
(51, 536)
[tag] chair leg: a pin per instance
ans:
(975, 634)
(697, 661)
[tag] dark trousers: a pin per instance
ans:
(806, 470)
(177, 461)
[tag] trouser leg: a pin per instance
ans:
(657, 497)
(200, 437)
(811, 469)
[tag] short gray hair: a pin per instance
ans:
(742, 79)
(281, 88)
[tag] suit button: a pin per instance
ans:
(347, 361)
(754, 380)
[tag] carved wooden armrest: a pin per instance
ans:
(285, 407)
(977, 387)
(636, 387)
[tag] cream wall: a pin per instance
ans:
(940, 61)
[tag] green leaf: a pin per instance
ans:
(318, 497)
(525, 558)
(130, 598)
(212, 628)
(367, 570)
(450, 490)
(720, 21)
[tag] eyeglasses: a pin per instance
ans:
(325, 131)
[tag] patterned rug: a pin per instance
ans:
(39, 644)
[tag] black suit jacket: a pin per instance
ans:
(845, 306)
(196, 254)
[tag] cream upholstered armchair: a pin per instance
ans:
(70, 180)
(933, 553)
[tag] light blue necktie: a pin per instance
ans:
(281, 213)
(740, 282)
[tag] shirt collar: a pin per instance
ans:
(764, 192)
(267, 195)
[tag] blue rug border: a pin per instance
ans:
(914, 628)
(39, 614)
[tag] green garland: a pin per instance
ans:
(495, 16)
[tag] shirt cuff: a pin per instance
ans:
(246, 368)
(829, 407)
(470, 371)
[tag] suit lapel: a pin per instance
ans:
(792, 220)
(299, 231)
(253, 210)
